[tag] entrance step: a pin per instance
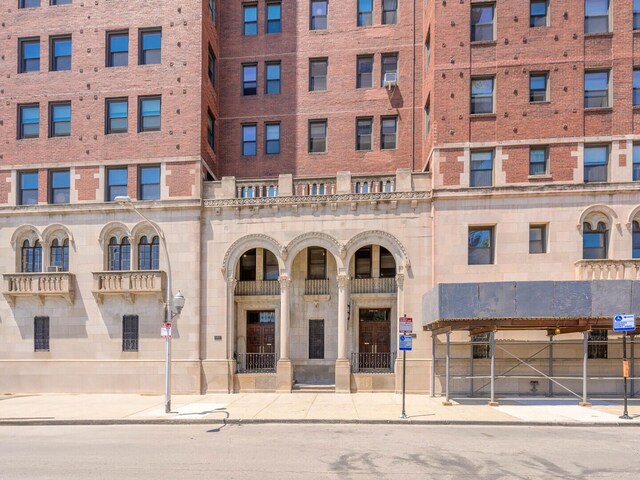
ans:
(308, 388)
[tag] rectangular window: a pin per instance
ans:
(211, 125)
(596, 163)
(636, 240)
(636, 87)
(482, 95)
(387, 264)
(28, 194)
(317, 136)
(481, 345)
(365, 72)
(149, 109)
(389, 67)
(596, 16)
(365, 13)
(59, 186)
(273, 78)
(248, 268)
(481, 169)
(538, 87)
(316, 263)
(41, 334)
(29, 4)
(316, 339)
(537, 239)
(270, 267)
(61, 2)
(636, 162)
(130, 333)
(60, 119)
(636, 14)
(596, 89)
(150, 47)
(249, 140)
(29, 121)
(597, 344)
(538, 13)
(272, 138)
(318, 74)
(29, 53)
(60, 52)
(538, 160)
(482, 16)
(388, 133)
(211, 68)
(250, 16)
(481, 246)
(389, 12)
(249, 80)
(318, 16)
(149, 179)
(117, 115)
(274, 17)
(117, 49)
(427, 118)
(117, 180)
(364, 134)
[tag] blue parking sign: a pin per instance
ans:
(405, 343)
(624, 323)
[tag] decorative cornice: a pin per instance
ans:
(316, 199)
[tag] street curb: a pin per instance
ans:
(251, 421)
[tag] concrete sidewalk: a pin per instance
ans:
(305, 408)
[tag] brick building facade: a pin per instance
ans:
(318, 169)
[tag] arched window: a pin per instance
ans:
(60, 254)
(314, 189)
(273, 191)
(119, 254)
(31, 257)
(388, 187)
(595, 241)
(321, 189)
(387, 263)
(365, 187)
(149, 254)
(358, 187)
(636, 239)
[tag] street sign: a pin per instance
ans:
(405, 343)
(406, 325)
(624, 323)
(165, 330)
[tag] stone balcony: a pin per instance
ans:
(257, 288)
(129, 284)
(607, 270)
(39, 286)
(373, 285)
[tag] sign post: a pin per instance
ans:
(624, 323)
(405, 343)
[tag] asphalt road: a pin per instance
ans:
(317, 451)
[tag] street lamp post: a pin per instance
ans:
(178, 300)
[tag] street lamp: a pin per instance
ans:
(178, 300)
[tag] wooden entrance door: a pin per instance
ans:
(261, 335)
(375, 338)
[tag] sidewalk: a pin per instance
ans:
(305, 408)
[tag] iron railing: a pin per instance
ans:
(316, 287)
(372, 362)
(374, 285)
(256, 362)
(261, 287)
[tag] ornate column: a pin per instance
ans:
(343, 366)
(231, 316)
(284, 368)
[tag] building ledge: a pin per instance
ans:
(39, 286)
(129, 284)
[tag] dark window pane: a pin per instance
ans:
(61, 54)
(596, 16)
(150, 114)
(29, 55)
(149, 183)
(480, 246)
(318, 15)
(130, 333)
(60, 120)
(365, 72)
(389, 12)
(481, 169)
(151, 48)
(318, 75)
(538, 13)
(482, 22)
(272, 133)
(29, 3)
(249, 80)
(41, 334)
(537, 239)
(29, 121)
(538, 88)
(118, 54)
(482, 95)
(250, 15)
(274, 18)
(273, 78)
(317, 137)
(596, 160)
(389, 130)
(365, 13)
(117, 116)
(538, 161)
(364, 131)
(636, 162)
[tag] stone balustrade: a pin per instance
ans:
(607, 270)
(255, 288)
(374, 285)
(316, 287)
(129, 284)
(39, 285)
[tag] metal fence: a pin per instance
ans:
(256, 362)
(372, 362)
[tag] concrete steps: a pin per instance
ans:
(308, 388)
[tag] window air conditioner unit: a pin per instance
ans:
(390, 80)
(54, 269)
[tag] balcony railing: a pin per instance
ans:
(316, 287)
(256, 189)
(372, 362)
(374, 285)
(39, 285)
(262, 287)
(373, 184)
(129, 284)
(256, 362)
(313, 187)
(607, 270)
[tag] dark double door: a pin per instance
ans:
(375, 338)
(261, 336)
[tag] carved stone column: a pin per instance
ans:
(343, 366)
(284, 368)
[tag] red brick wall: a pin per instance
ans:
(87, 184)
(450, 167)
(181, 178)
(5, 186)
(342, 42)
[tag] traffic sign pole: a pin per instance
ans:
(625, 374)
(405, 343)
